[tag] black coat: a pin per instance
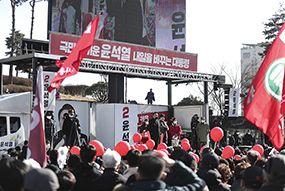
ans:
(212, 178)
(84, 173)
(108, 180)
(154, 129)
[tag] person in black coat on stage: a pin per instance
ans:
(71, 129)
(154, 128)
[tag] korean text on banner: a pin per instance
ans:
(70, 66)
(234, 102)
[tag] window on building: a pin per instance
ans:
(15, 124)
(3, 126)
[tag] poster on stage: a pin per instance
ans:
(49, 98)
(156, 23)
(125, 122)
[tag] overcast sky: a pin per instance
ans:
(215, 30)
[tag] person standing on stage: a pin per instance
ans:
(154, 128)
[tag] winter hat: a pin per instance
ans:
(41, 179)
(211, 160)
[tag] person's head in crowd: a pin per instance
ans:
(14, 154)
(72, 161)
(275, 170)
(251, 157)
(210, 160)
(261, 162)
(18, 149)
(225, 171)
(174, 121)
(252, 178)
(111, 159)
(239, 168)
(41, 179)
(53, 157)
(87, 153)
(205, 151)
(151, 166)
(155, 115)
(133, 157)
(26, 142)
(146, 121)
(31, 163)
(10, 150)
(47, 145)
(12, 174)
(66, 180)
(187, 159)
(218, 151)
(162, 117)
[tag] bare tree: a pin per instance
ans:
(33, 4)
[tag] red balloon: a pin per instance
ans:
(150, 144)
(75, 150)
(202, 149)
(161, 146)
(184, 140)
(99, 147)
(217, 134)
(237, 157)
(196, 157)
(137, 137)
(122, 147)
(161, 153)
(259, 149)
(185, 146)
(228, 152)
(132, 147)
(142, 147)
(137, 146)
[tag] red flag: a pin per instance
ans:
(71, 65)
(263, 102)
(37, 141)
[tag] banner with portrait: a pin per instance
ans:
(156, 23)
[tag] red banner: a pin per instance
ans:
(263, 101)
(110, 51)
(37, 142)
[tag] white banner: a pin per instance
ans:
(49, 98)
(234, 102)
(125, 122)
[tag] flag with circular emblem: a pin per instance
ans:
(262, 106)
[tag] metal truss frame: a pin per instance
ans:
(148, 72)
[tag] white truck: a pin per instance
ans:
(106, 122)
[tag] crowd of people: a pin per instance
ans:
(174, 169)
